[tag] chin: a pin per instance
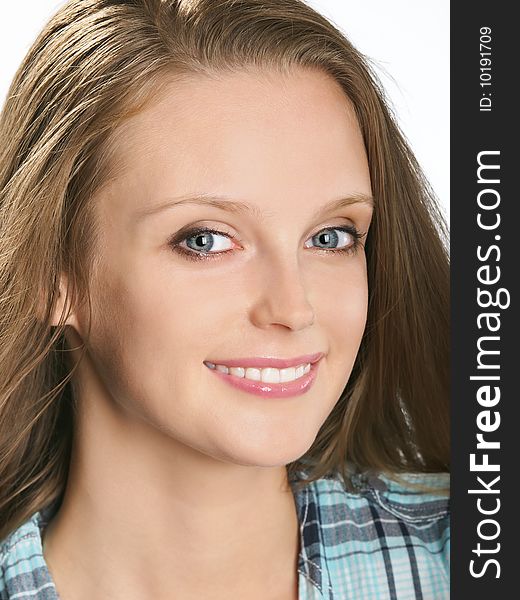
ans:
(277, 453)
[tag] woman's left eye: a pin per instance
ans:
(204, 243)
(347, 239)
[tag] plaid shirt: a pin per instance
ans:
(385, 542)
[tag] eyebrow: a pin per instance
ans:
(240, 207)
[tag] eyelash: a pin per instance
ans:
(193, 255)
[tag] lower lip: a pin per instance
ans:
(271, 390)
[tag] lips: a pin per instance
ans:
(271, 390)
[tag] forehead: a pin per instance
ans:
(255, 134)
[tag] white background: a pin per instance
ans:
(406, 40)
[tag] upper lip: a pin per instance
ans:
(264, 362)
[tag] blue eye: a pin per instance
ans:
(203, 243)
(329, 236)
(206, 240)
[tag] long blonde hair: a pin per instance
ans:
(99, 61)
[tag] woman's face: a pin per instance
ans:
(276, 151)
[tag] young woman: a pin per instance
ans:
(224, 315)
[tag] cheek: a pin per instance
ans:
(342, 299)
(342, 311)
(150, 327)
(141, 321)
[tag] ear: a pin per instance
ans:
(62, 305)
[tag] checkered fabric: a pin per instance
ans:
(388, 541)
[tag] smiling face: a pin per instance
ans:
(277, 276)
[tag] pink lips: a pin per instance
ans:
(271, 390)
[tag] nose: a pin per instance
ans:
(281, 297)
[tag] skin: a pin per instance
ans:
(174, 473)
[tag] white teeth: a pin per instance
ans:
(254, 374)
(270, 375)
(267, 375)
(238, 371)
(287, 374)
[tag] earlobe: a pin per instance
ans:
(62, 305)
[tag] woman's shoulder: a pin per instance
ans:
(389, 537)
(410, 497)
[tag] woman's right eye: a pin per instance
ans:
(203, 243)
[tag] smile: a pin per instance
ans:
(269, 381)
